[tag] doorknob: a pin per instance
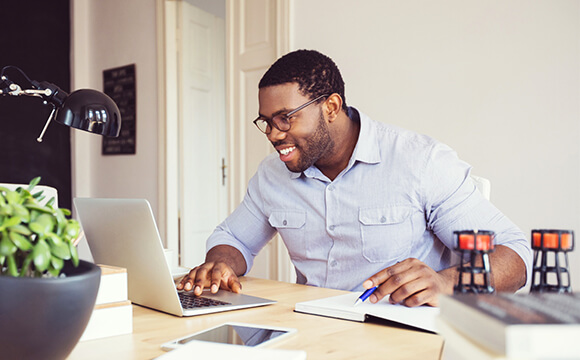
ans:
(224, 171)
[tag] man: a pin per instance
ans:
(358, 203)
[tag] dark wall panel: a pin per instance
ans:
(35, 37)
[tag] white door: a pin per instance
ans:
(258, 35)
(201, 129)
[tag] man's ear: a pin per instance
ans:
(333, 105)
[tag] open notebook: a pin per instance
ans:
(122, 232)
(342, 307)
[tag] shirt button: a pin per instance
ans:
(285, 222)
(383, 219)
(331, 188)
(331, 227)
(333, 263)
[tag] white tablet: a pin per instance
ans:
(234, 334)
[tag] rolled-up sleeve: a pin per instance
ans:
(246, 229)
(453, 203)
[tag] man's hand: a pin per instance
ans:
(412, 283)
(214, 275)
(222, 266)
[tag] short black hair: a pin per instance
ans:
(315, 73)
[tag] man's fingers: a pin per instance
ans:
(389, 279)
(412, 293)
(234, 284)
(223, 277)
(216, 279)
(213, 275)
(186, 282)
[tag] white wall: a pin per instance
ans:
(499, 81)
(496, 80)
(109, 34)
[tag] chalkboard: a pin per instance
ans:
(43, 56)
(119, 84)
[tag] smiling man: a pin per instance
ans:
(358, 203)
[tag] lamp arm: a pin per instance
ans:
(84, 109)
(50, 93)
(16, 90)
(45, 90)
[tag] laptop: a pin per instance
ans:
(123, 233)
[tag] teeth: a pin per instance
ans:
(287, 150)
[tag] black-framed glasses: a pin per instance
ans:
(281, 121)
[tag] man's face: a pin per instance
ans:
(308, 139)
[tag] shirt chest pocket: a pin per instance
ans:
(386, 232)
(291, 227)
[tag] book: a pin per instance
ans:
(532, 326)
(459, 347)
(109, 319)
(342, 307)
(113, 313)
(113, 287)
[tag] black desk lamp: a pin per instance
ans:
(84, 109)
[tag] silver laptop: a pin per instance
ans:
(123, 232)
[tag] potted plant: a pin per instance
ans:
(47, 294)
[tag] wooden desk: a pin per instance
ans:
(320, 337)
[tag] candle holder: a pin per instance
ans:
(548, 273)
(476, 245)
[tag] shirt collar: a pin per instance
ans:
(366, 149)
(367, 146)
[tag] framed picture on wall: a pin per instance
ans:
(120, 84)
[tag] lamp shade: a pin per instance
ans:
(92, 111)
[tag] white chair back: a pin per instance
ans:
(483, 185)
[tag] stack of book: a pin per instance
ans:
(510, 326)
(113, 314)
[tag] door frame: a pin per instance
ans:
(280, 267)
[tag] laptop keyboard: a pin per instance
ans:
(190, 301)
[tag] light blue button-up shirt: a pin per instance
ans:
(402, 195)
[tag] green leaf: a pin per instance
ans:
(20, 241)
(42, 225)
(33, 183)
(12, 197)
(36, 228)
(12, 268)
(12, 221)
(74, 254)
(54, 272)
(7, 247)
(21, 211)
(6, 210)
(40, 208)
(55, 239)
(72, 230)
(61, 221)
(21, 229)
(62, 251)
(25, 266)
(41, 255)
(50, 202)
(57, 264)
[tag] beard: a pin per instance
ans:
(314, 147)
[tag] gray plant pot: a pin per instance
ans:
(45, 318)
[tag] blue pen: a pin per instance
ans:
(365, 295)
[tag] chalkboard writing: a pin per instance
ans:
(119, 84)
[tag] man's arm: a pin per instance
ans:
(223, 264)
(412, 283)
